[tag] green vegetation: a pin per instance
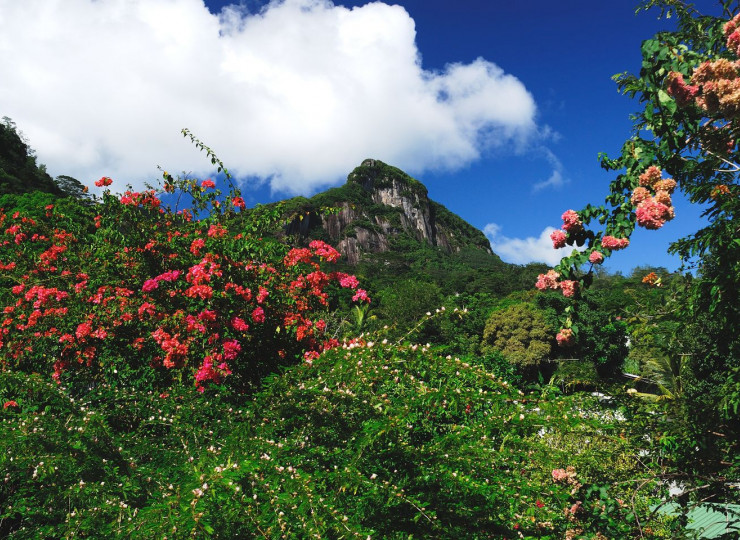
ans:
(521, 333)
(195, 375)
(19, 172)
(380, 436)
(388, 442)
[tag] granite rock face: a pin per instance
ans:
(382, 203)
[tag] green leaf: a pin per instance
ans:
(667, 101)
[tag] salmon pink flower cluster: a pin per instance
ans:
(571, 224)
(569, 287)
(683, 93)
(558, 238)
(653, 214)
(571, 221)
(652, 199)
(614, 244)
(565, 338)
(713, 86)
(550, 281)
(596, 257)
(566, 476)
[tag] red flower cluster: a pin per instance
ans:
(239, 203)
(147, 199)
(105, 181)
(222, 317)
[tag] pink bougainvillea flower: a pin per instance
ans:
(239, 203)
(204, 292)
(104, 181)
(239, 324)
(548, 280)
(558, 239)
(614, 244)
(650, 176)
(361, 296)
(217, 231)
(571, 221)
(150, 285)
(11, 403)
(297, 255)
(231, 349)
(324, 250)
(569, 287)
(258, 315)
(347, 281)
(83, 330)
(652, 215)
(208, 184)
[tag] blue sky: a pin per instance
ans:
(500, 108)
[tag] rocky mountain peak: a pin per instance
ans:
(379, 204)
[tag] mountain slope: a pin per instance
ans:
(378, 206)
(387, 228)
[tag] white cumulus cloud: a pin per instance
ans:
(525, 250)
(297, 94)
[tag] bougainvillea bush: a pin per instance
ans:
(371, 440)
(154, 295)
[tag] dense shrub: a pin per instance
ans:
(366, 441)
(141, 294)
(520, 332)
(601, 334)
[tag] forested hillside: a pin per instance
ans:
(20, 171)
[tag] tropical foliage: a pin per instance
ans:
(171, 367)
(684, 138)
